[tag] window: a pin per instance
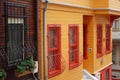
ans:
(16, 20)
(99, 40)
(54, 50)
(107, 74)
(116, 24)
(108, 38)
(73, 46)
(114, 56)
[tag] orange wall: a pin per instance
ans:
(64, 15)
(89, 62)
(64, 18)
(114, 4)
(100, 4)
(94, 64)
(85, 3)
(102, 62)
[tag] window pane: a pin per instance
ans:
(72, 57)
(116, 23)
(107, 75)
(52, 59)
(72, 35)
(99, 39)
(107, 38)
(114, 55)
(53, 38)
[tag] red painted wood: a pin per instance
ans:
(99, 40)
(57, 49)
(112, 18)
(108, 39)
(75, 62)
(115, 79)
(103, 73)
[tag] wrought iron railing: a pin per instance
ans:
(8, 60)
(74, 55)
(3, 56)
(56, 64)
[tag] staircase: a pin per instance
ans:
(88, 76)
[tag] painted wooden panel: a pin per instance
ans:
(64, 18)
(88, 63)
(100, 3)
(106, 59)
(94, 64)
(85, 3)
(114, 4)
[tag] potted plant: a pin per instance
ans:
(26, 66)
(2, 74)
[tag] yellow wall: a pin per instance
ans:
(64, 15)
(85, 3)
(65, 18)
(107, 58)
(100, 3)
(94, 64)
(114, 4)
(89, 62)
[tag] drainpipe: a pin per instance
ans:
(45, 39)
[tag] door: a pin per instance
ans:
(15, 43)
(85, 41)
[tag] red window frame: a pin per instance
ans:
(103, 73)
(73, 46)
(108, 39)
(85, 35)
(54, 50)
(99, 40)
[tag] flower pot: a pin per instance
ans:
(1, 78)
(23, 74)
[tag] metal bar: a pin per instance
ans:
(15, 4)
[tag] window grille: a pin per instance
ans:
(73, 46)
(18, 43)
(54, 50)
(99, 40)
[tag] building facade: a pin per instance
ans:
(18, 34)
(77, 35)
(72, 36)
(116, 49)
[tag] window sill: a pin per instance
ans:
(73, 65)
(53, 73)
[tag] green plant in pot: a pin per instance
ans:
(2, 74)
(27, 64)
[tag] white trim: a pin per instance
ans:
(102, 68)
(85, 72)
(83, 7)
